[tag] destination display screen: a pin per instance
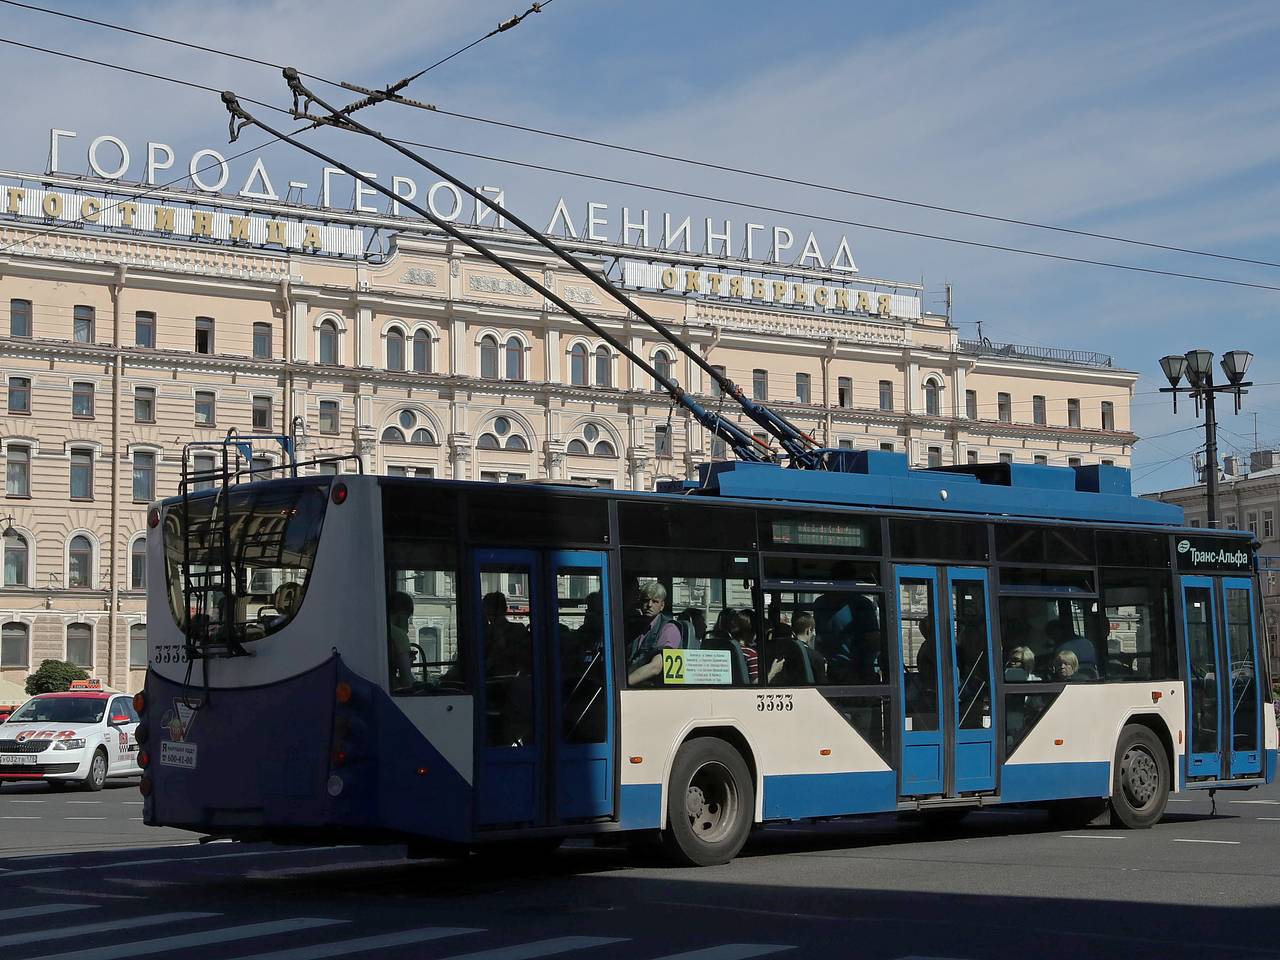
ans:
(833, 533)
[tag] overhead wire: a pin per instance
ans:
(638, 151)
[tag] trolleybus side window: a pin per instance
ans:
(938, 540)
(422, 618)
(1139, 614)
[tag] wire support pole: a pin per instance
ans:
(744, 445)
(795, 441)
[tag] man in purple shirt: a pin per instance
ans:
(644, 653)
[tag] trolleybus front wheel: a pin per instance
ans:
(1139, 779)
(710, 804)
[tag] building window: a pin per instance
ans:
(144, 404)
(425, 438)
(489, 358)
(82, 324)
(662, 440)
(19, 394)
(971, 456)
(144, 328)
(395, 349)
(971, 404)
(1073, 461)
(203, 466)
(206, 408)
(844, 443)
(804, 393)
(396, 435)
(886, 395)
(515, 359)
(262, 413)
(719, 449)
(1038, 415)
(329, 343)
(578, 365)
(82, 399)
(1268, 524)
(204, 334)
(20, 318)
(15, 650)
(1108, 463)
(397, 471)
(932, 398)
(79, 562)
(1251, 522)
(17, 477)
(663, 363)
(1108, 415)
(715, 384)
(604, 366)
(1006, 458)
(1073, 413)
(17, 556)
(262, 341)
(138, 564)
(760, 384)
(80, 645)
(1040, 459)
(844, 392)
(144, 476)
(329, 416)
(81, 474)
(1004, 408)
(138, 646)
(886, 447)
(422, 352)
(935, 456)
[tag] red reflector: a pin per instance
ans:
(339, 494)
(144, 787)
(140, 702)
(339, 757)
(1155, 696)
(824, 752)
(422, 771)
(144, 759)
(153, 518)
(343, 692)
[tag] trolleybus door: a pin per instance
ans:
(945, 682)
(1223, 693)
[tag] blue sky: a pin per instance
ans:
(1146, 120)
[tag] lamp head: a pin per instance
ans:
(1173, 367)
(8, 527)
(1235, 363)
(1199, 366)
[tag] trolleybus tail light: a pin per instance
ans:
(140, 734)
(144, 786)
(339, 494)
(339, 757)
(140, 702)
(343, 692)
(1155, 696)
(144, 759)
(153, 517)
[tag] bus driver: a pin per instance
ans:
(644, 652)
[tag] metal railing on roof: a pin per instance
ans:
(987, 348)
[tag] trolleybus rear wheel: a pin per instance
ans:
(1139, 780)
(710, 804)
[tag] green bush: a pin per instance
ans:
(53, 677)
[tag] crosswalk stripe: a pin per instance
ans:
(341, 948)
(150, 920)
(141, 948)
(44, 910)
(730, 951)
(538, 948)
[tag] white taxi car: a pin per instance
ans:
(80, 737)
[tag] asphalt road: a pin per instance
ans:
(1004, 884)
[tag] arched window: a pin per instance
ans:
(422, 352)
(932, 398)
(392, 435)
(578, 365)
(604, 449)
(487, 441)
(80, 645)
(429, 641)
(517, 442)
(15, 646)
(395, 349)
(423, 436)
(515, 359)
(138, 564)
(17, 557)
(663, 364)
(489, 358)
(577, 448)
(604, 367)
(80, 562)
(329, 342)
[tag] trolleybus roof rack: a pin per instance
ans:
(877, 478)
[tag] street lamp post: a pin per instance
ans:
(1197, 365)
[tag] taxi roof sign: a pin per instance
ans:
(93, 683)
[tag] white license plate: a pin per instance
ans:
(19, 758)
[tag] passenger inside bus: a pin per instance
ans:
(656, 631)
(1066, 640)
(399, 612)
(1066, 666)
(1020, 665)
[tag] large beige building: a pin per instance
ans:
(123, 339)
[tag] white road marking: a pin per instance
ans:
(43, 910)
(58, 933)
(19, 818)
(1089, 836)
(730, 951)
(1267, 818)
(133, 803)
(140, 948)
(538, 948)
(16, 800)
(1182, 800)
(84, 818)
(1233, 843)
(84, 801)
(1271, 802)
(341, 948)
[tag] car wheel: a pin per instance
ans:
(1140, 779)
(97, 776)
(710, 804)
